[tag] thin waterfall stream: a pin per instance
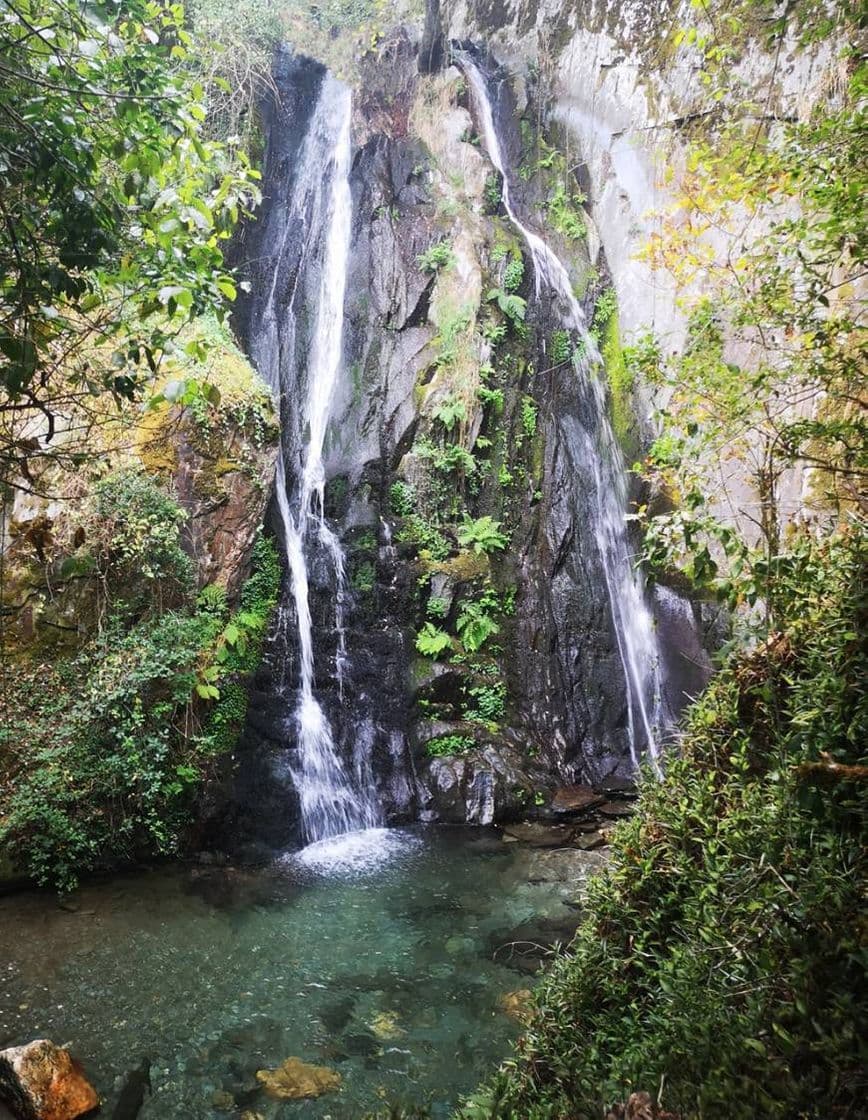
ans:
(333, 801)
(633, 625)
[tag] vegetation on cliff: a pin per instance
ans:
(116, 205)
(136, 443)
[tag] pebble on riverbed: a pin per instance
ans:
(40, 1081)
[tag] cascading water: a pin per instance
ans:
(334, 798)
(634, 629)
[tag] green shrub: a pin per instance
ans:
(436, 257)
(721, 962)
(446, 745)
(137, 534)
(111, 746)
(105, 773)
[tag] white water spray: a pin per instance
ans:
(634, 628)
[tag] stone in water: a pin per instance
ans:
(294, 1080)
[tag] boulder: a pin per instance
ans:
(575, 799)
(293, 1080)
(40, 1081)
(480, 787)
(618, 809)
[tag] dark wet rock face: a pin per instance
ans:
(418, 178)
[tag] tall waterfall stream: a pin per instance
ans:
(333, 800)
(634, 629)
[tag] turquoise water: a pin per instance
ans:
(385, 962)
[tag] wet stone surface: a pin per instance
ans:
(388, 967)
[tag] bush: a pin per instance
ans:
(447, 745)
(720, 955)
(108, 746)
(136, 528)
(105, 772)
(436, 257)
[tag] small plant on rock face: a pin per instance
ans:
(565, 215)
(431, 642)
(482, 534)
(475, 624)
(419, 531)
(559, 351)
(494, 397)
(493, 332)
(402, 498)
(451, 411)
(528, 415)
(492, 192)
(513, 274)
(512, 306)
(485, 702)
(445, 745)
(455, 458)
(436, 257)
(606, 306)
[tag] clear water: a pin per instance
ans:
(382, 955)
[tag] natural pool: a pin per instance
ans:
(386, 961)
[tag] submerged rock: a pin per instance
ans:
(539, 835)
(132, 1096)
(517, 1005)
(40, 1081)
(618, 809)
(293, 1080)
(385, 1026)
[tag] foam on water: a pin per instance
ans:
(356, 853)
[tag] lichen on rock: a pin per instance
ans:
(41, 1081)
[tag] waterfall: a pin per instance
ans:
(633, 625)
(311, 250)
